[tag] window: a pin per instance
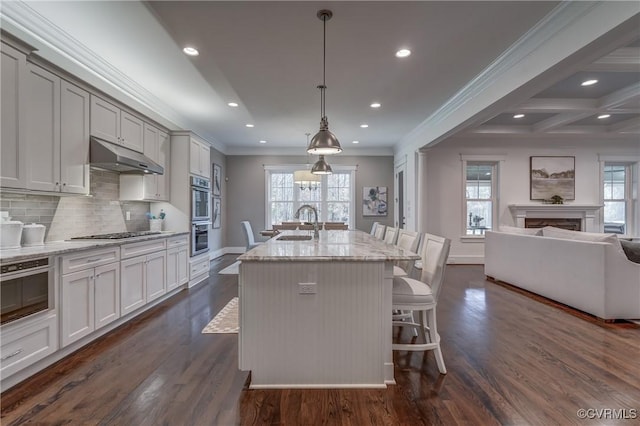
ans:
(480, 203)
(617, 198)
(333, 196)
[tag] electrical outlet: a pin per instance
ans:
(307, 288)
(127, 215)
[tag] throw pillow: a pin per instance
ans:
(632, 250)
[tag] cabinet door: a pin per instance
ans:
(156, 275)
(43, 129)
(172, 268)
(105, 120)
(164, 152)
(77, 306)
(183, 265)
(107, 294)
(13, 149)
(194, 157)
(132, 286)
(74, 139)
(205, 164)
(131, 131)
(150, 182)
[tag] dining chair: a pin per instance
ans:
(379, 233)
(391, 235)
(421, 296)
(248, 235)
(407, 240)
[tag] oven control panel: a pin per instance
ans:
(21, 266)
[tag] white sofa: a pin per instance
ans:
(586, 271)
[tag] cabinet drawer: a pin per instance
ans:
(199, 267)
(89, 259)
(144, 247)
(181, 240)
(24, 344)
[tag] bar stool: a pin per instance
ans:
(248, 235)
(407, 240)
(379, 233)
(391, 235)
(421, 296)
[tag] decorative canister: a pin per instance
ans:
(33, 235)
(10, 234)
(155, 225)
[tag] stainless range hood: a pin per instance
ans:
(109, 156)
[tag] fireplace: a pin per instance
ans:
(568, 223)
(578, 217)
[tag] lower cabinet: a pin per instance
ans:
(177, 262)
(90, 300)
(143, 280)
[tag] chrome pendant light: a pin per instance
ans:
(324, 142)
(321, 167)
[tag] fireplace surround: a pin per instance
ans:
(563, 213)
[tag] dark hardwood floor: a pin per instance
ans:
(511, 360)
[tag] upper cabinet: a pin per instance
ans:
(112, 124)
(199, 159)
(13, 153)
(57, 134)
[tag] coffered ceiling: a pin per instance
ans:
(267, 57)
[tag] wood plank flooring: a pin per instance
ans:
(511, 360)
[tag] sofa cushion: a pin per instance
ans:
(631, 249)
(553, 232)
(521, 231)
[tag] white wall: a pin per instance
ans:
(443, 180)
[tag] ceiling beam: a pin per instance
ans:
(627, 126)
(620, 97)
(559, 120)
(625, 59)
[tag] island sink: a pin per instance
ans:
(294, 237)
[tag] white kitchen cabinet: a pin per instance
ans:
(199, 154)
(132, 284)
(177, 262)
(13, 149)
(57, 135)
(110, 123)
(156, 275)
(149, 187)
(143, 277)
(90, 300)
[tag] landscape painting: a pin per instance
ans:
(551, 177)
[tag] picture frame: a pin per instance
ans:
(552, 178)
(374, 201)
(216, 213)
(217, 180)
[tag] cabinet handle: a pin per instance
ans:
(11, 355)
(64, 184)
(93, 260)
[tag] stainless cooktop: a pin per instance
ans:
(117, 235)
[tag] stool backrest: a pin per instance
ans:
(435, 252)
(248, 233)
(407, 240)
(379, 233)
(373, 228)
(391, 235)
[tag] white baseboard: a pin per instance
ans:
(226, 250)
(466, 260)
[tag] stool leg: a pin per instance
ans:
(435, 338)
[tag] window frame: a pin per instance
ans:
(290, 168)
(491, 160)
(632, 210)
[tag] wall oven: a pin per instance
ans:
(199, 237)
(200, 199)
(25, 289)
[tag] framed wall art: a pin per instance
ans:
(217, 180)
(374, 201)
(216, 213)
(552, 178)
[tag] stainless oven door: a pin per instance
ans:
(199, 238)
(200, 204)
(25, 289)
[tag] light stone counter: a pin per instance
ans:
(317, 314)
(61, 247)
(332, 246)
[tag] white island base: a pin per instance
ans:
(339, 337)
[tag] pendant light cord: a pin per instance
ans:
(324, 65)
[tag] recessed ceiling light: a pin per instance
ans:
(375, 105)
(232, 104)
(356, 142)
(589, 82)
(364, 126)
(191, 51)
(263, 141)
(602, 116)
(403, 53)
(518, 116)
(249, 125)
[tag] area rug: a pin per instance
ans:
(226, 321)
(233, 269)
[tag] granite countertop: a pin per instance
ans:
(61, 247)
(332, 246)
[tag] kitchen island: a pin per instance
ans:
(317, 313)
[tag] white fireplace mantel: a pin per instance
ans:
(585, 212)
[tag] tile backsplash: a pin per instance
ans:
(75, 216)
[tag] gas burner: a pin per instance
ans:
(117, 235)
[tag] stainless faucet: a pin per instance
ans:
(316, 235)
